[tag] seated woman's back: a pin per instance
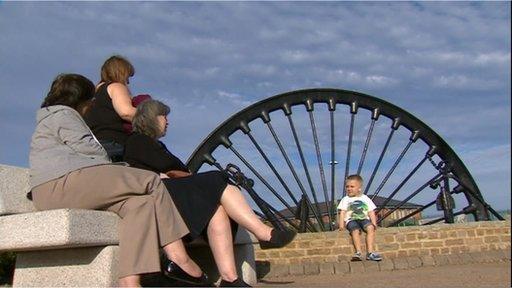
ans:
(103, 119)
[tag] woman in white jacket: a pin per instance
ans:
(70, 169)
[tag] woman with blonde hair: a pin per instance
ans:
(112, 106)
(207, 201)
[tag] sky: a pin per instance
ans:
(447, 63)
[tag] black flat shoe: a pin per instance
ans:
(237, 283)
(173, 271)
(278, 239)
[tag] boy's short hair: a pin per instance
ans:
(356, 177)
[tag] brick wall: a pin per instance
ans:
(439, 239)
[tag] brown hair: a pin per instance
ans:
(117, 69)
(70, 90)
(144, 121)
(356, 177)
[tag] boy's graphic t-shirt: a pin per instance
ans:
(357, 207)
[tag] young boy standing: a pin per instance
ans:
(356, 214)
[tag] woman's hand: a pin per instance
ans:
(177, 174)
(163, 176)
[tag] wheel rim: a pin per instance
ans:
(306, 105)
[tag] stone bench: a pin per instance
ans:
(74, 247)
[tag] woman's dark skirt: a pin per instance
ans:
(197, 197)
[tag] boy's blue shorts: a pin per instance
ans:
(358, 225)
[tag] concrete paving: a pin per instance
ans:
(496, 274)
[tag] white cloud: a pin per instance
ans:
(465, 82)
(234, 98)
(446, 62)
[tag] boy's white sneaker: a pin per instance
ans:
(357, 257)
(374, 256)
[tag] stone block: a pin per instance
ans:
(319, 251)
(454, 242)
(433, 244)
(318, 243)
(342, 258)
(454, 259)
(356, 267)
(465, 258)
(13, 189)
(311, 269)
(491, 239)
(476, 256)
(371, 266)
(486, 257)
(389, 238)
(414, 262)
(279, 270)
(495, 255)
(69, 228)
(342, 267)
(400, 263)
(293, 253)
(326, 268)
(441, 260)
(410, 245)
(386, 265)
(411, 237)
(296, 269)
(81, 267)
(303, 244)
(427, 260)
(506, 253)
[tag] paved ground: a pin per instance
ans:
(470, 275)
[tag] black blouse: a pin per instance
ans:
(143, 152)
(103, 119)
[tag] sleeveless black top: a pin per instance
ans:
(103, 119)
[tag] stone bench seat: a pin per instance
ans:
(57, 229)
(77, 247)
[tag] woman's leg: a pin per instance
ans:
(221, 244)
(237, 209)
(129, 281)
(149, 218)
(176, 252)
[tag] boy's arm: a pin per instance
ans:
(341, 220)
(373, 218)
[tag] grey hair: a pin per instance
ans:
(144, 121)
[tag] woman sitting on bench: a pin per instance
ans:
(206, 201)
(112, 108)
(70, 169)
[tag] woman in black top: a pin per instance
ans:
(206, 201)
(112, 106)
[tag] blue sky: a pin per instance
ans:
(447, 63)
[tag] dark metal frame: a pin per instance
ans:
(332, 97)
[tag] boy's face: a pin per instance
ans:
(353, 188)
